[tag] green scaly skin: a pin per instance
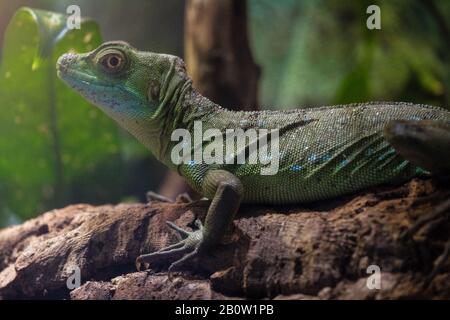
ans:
(324, 152)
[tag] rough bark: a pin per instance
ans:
(319, 251)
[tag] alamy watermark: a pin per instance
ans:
(74, 19)
(234, 146)
(374, 280)
(374, 20)
(74, 279)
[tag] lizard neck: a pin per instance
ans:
(185, 106)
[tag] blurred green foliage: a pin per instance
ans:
(50, 134)
(55, 148)
(321, 52)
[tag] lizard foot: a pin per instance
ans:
(189, 247)
(431, 221)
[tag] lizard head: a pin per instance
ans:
(131, 86)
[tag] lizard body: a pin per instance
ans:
(328, 151)
(324, 152)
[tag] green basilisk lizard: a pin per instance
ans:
(324, 152)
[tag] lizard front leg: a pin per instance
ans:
(225, 190)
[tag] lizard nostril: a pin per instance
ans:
(64, 61)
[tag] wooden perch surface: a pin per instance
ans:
(318, 251)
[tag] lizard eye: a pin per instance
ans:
(112, 62)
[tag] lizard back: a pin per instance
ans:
(323, 152)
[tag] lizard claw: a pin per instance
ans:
(189, 247)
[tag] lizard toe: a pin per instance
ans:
(187, 248)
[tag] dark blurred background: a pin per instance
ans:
(153, 25)
(284, 54)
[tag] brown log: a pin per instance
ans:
(316, 251)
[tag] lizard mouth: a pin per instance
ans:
(71, 75)
(66, 72)
(76, 76)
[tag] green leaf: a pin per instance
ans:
(50, 137)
